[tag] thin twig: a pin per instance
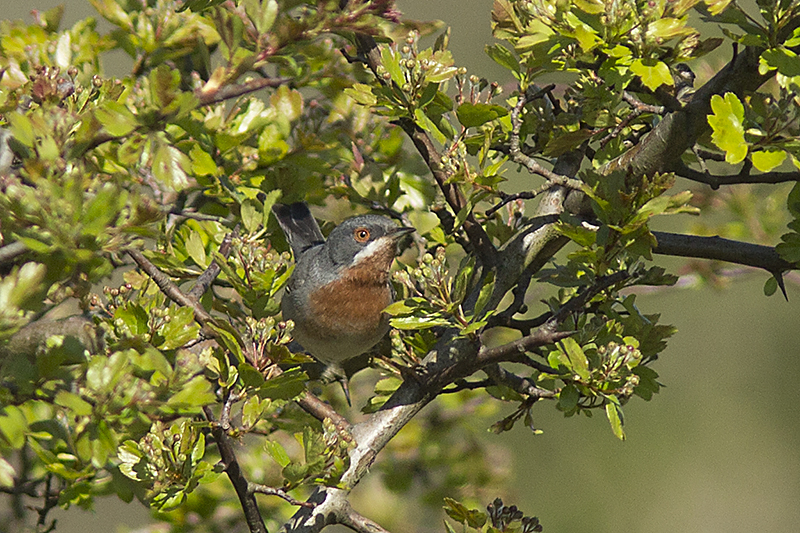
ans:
(205, 279)
(256, 488)
(547, 333)
(462, 384)
(528, 162)
(640, 106)
(169, 288)
(228, 455)
(226, 92)
(519, 384)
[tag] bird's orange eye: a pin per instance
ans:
(361, 234)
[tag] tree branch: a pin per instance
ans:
(717, 248)
(679, 129)
(744, 176)
(204, 281)
(226, 92)
(256, 488)
(239, 482)
(528, 162)
(519, 384)
(359, 523)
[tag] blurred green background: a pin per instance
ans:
(715, 451)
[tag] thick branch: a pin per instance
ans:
(743, 176)
(717, 248)
(359, 523)
(679, 130)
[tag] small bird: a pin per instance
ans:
(340, 287)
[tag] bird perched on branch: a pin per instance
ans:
(340, 287)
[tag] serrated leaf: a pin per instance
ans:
(726, 123)
(652, 72)
(180, 329)
(766, 160)
(116, 118)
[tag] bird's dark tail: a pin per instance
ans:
(298, 224)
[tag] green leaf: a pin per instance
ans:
(766, 160)
(782, 59)
(652, 72)
(424, 122)
(614, 414)
(287, 102)
(362, 94)
(573, 350)
(391, 62)
(770, 286)
(197, 249)
(13, 426)
(726, 123)
(568, 398)
(196, 393)
(486, 292)
(473, 115)
(417, 322)
(277, 452)
(402, 307)
(202, 163)
(73, 402)
(7, 473)
(169, 166)
(251, 215)
(133, 318)
(503, 57)
(116, 118)
(287, 386)
(180, 329)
